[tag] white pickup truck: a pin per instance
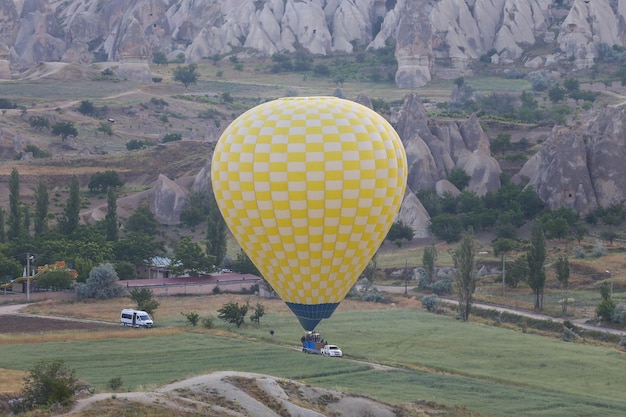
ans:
(331, 350)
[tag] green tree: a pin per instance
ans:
(39, 122)
(216, 235)
(258, 311)
(399, 231)
(68, 222)
(101, 181)
(562, 275)
(196, 211)
(604, 310)
(459, 178)
(9, 268)
(15, 221)
(556, 94)
(186, 74)
(190, 259)
(172, 137)
(86, 107)
(145, 300)
(159, 58)
(609, 235)
(138, 248)
(101, 284)
(64, 129)
(429, 258)
(48, 383)
(83, 267)
(464, 257)
(142, 220)
(125, 270)
(580, 231)
(3, 235)
(106, 128)
(26, 217)
(55, 280)
(233, 313)
(244, 265)
(536, 256)
(447, 227)
(110, 221)
(42, 201)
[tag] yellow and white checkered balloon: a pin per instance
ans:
(309, 187)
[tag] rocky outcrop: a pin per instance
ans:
(582, 169)
(413, 214)
(168, 201)
(431, 38)
(434, 150)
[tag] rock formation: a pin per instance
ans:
(582, 168)
(431, 38)
(434, 150)
(168, 201)
(413, 214)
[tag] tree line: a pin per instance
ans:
(125, 244)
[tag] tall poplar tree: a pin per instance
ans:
(42, 201)
(536, 257)
(216, 232)
(465, 274)
(111, 217)
(68, 222)
(3, 236)
(14, 222)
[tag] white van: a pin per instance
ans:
(135, 318)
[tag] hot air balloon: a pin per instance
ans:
(309, 187)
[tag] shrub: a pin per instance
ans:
(101, 284)
(598, 250)
(579, 252)
(115, 383)
(569, 335)
(442, 286)
(234, 313)
(605, 309)
(145, 299)
(619, 314)
(192, 317)
(134, 144)
(622, 342)
(430, 302)
(48, 383)
(172, 137)
(207, 323)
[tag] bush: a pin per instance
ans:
(619, 314)
(207, 323)
(192, 317)
(605, 309)
(48, 383)
(430, 302)
(579, 252)
(172, 137)
(145, 299)
(115, 383)
(569, 335)
(101, 284)
(598, 250)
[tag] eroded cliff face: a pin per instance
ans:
(433, 150)
(431, 38)
(582, 168)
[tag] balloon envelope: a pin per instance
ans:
(309, 187)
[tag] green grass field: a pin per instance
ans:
(485, 369)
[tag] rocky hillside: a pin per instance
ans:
(432, 39)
